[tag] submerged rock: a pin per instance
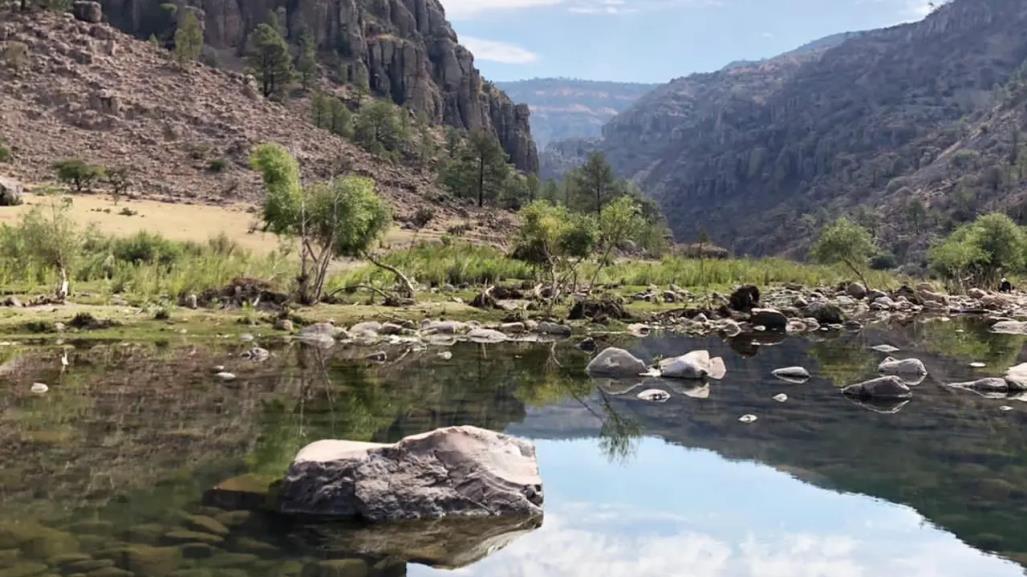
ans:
(39, 389)
(747, 419)
(654, 396)
(554, 329)
(781, 398)
(887, 349)
(1010, 328)
(910, 367)
(452, 472)
(615, 363)
(989, 385)
(695, 365)
(322, 334)
(882, 388)
(770, 319)
(825, 313)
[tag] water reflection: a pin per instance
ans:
(132, 436)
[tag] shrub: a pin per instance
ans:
(117, 179)
(78, 174)
(5, 153)
(217, 165)
(15, 55)
(423, 217)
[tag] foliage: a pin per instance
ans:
(332, 114)
(118, 181)
(556, 240)
(344, 217)
(847, 243)
(379, 129)
(5, 153)
(188, 38)
(479, 169)
(78, 174)
(456, 263)
(619, 223)
(270, 61)
(980, 252)
(47, 237)
(14, 55)
(306, 61)
(594, 184)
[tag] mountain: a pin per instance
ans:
(761, 154)
(404, 50)
(90, 92)
(564, 108)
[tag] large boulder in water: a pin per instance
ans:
(695, 365)
(616, 364)
(10, 192)
(825, 313)
(770, 319)
(884, 388)
(745, 298)
(452, 472)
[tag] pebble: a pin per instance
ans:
(445, 355)
(225, 376)
(885, 349)
(1005, 408)
(654, 396)
(246, 337)
(978, 365)
(747, 419)
(39, 389)
(781, 398)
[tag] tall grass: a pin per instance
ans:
(145, 265)
(437, 265)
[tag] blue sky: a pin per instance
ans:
(652, 40)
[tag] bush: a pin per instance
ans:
(982, 251)
(423, 217)
(217, 165)
(884, 261)
(78, 174)
(15, 55)
(5, 153)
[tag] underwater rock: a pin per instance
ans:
(654, 396)
(883, 388)
(451, 472)
(747, 419)
(792, 374)
(911, 367)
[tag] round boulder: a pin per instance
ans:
(616, 363)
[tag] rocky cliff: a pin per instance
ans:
(404, 50)
(761, 154)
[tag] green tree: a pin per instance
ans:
(343, 217)
(188, 38)
(916, 212)
(340, 118)
(51, 238)
(845, 242)
(557, 241)
(378, 128)
(594, 184)
(78, 174)
(306, 61)
(270, 61)
(620, 222)
(982, 251)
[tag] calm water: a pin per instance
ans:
(106, 475)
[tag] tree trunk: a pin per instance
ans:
(408, 287)
(481, 182)
(65, 287)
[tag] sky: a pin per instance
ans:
(652, 40)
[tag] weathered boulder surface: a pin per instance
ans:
(695, 365)
(615, 363)
(10, 192)
(882, 388)
(452, 472)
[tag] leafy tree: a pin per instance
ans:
(620, 222)
(845, 242)
(916, 212)
(556, 240)
(594, 184)
(51, 238)
(378, 128)
(118, 180)
(270, 61)
(78, 174)
(533, 187)
(982, 251)
(306, 61)
(188, 38)
(343, 217)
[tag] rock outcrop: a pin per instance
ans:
(404, 50)
(453, 472)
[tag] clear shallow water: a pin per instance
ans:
(120, 453)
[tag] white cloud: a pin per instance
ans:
(494, 51)
(466, 9)
(458, 9)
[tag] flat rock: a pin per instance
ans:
(884, 388)
(615, 363)
(792, 374)
(905, 367)
(451, 472)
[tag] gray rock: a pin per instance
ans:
(696, 365)
(771, 319)
(452, 472)
(792, 374)
(654, 396)
(319, 334)
(1010, 328)
(257, 354)
(911, 367)
(87, 11)
(554, 329)
(367, 330)
(989, 385)
(10, 192)
(486, 336)
(856, 291)
(825, 313)
(443, 328)
(882, 388)
(616, 363)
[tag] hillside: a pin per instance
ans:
(403, 50)
(925, 114)
(565, 108)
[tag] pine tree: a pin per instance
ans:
(188, 39)
(595, 184)
(270, 61)
(480, 170)
(306, 61)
